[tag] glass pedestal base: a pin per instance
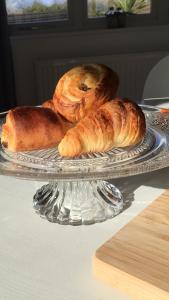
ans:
(80, 202)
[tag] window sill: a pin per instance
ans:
(48, 33)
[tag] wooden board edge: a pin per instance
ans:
(163, 194)
(129, 285)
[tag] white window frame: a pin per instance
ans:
(78, 19)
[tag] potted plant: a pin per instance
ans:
(116, 16)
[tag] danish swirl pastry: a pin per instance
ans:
(83, 89)
(117, 123)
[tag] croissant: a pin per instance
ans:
(30, 128)
(49, 104)
(118, 123)
(83, 89)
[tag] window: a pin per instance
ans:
(69, 15)
(98, 8)
(34, 11)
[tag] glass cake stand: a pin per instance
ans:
(78, 191)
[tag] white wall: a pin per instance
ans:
(27, 49)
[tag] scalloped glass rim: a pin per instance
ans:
(104, 167)
(50, 158)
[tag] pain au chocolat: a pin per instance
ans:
(29, 128)
(83, 89)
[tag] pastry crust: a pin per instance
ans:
(49, 104)
(83, 89)
(30, 128)
(118, 123)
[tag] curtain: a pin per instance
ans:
(7, 85)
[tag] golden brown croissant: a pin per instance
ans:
(83, 89)
(118, 123)
(49, 104)
(30, 128)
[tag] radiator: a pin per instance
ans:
(133, 70)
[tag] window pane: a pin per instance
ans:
(98, 8)
(34, 11)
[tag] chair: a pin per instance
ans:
(157, 82)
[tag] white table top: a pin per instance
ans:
(42, 260)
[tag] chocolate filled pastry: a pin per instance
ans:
(29, 128)
(83, 89)
(118, 123)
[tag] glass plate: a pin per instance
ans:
(71, 181)
(48, 165)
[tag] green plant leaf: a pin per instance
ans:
(130, 4)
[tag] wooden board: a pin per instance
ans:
(136, 259)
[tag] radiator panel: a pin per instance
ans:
(132, 69)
